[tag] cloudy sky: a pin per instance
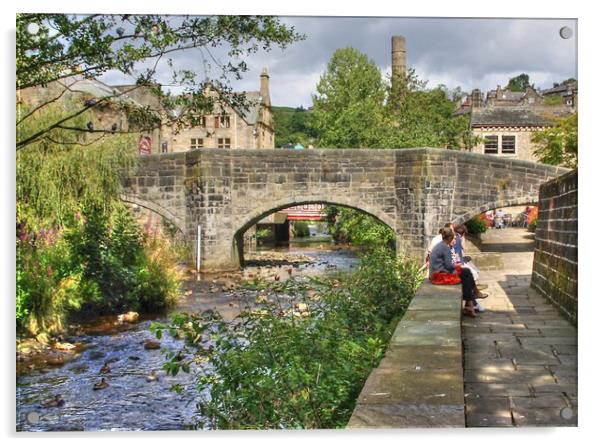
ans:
(470, 53)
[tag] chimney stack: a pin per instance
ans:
(264, 88)
(398, 57)
(476, 98)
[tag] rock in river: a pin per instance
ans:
(149, 344)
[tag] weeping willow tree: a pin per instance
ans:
(65, 170)
(64, 181)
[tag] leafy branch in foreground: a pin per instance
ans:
(299, 360)
(58, 49)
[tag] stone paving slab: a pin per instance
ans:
(390, 416)
(425, 358)
(543, 417)
(413, 387)
(442, 333)
(520, 355)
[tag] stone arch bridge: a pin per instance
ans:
(414, 191)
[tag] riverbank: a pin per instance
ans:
(130, 402)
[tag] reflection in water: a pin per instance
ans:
(130, 402)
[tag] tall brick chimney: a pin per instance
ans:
(264, 88)
(398, 57)
(398, 68)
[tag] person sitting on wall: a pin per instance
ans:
(465, 261)
(436, 240)
(442, 271)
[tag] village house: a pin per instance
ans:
(504, 121)
(227, 127)
(238, 127)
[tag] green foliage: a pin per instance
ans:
(55, 179)
(348, 106)
(558, 145)
(553, 100)
(477, 224)
(301, 228)
(79, 250)
(532, 227)
(299, 361)
(47, 282)
(359, 228)
(292, 126)
(519, 83)
(355, 108)
(140, 47)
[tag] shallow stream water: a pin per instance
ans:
(130, 402)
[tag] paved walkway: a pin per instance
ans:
(520, 355)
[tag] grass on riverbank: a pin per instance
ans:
(301, 360)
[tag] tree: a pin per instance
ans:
(558, 145)
(53, 48)
(348, 106)
(519, 83)
(425, 118)
(356, 108)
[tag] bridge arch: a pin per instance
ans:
(498, 204)
(157, 209)
(251, 218)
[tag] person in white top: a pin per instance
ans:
(437, 239)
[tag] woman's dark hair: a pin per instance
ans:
(447, 234)
(461, 229)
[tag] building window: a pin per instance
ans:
(222, 122)
(203, 121)
(196, 143)
(491, 144)
(223, 143)
(164, 147)
(509, 144)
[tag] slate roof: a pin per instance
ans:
(514, 116)
(251, 113)
(95, 88)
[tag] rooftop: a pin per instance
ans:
(516, 116)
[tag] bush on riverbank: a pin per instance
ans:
(79, 251)
(301, 229)
(300, 360)
(102, 264)
(358, 228)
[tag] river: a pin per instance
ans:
(130, 402)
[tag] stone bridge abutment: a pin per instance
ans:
(414, 191)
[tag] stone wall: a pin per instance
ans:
(413, 191)
(419, 382)
(555, 260)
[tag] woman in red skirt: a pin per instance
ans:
(442, 271)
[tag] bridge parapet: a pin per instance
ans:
(419, 382)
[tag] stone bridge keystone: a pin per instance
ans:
(414, 191)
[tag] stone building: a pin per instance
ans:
(506, 131)
(227, 127)
(109, 104)
(505, 120)
(567, 92)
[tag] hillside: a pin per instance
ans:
(292, 125)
